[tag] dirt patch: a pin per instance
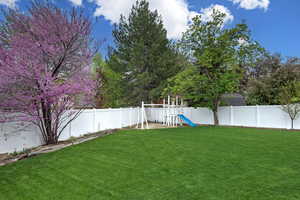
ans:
(4, 156)
(157, 126)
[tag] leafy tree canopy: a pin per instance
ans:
(109, 87)
(273, 75)
(217, 55)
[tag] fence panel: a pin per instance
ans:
(225, 114)
(202, 116)
(134, 116)
(244, 116)
(15, 139)
(82, 124)
(296, 123)
(273, 117)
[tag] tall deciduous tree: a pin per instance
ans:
(44, 67)
(216, 54)
(143, 55)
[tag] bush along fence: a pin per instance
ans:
(14, 138)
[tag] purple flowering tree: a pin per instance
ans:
(44, 68)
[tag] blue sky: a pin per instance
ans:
(275, 24)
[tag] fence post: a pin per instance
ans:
(257, 116)
(121, 120)
(70, 129)
(130, 113)
(231, 116)
(142, 115)
(94, 120)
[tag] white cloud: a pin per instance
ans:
(242, 42)
(76, 2)
(176, 14)
(252, 4)
(9, 3)
(206, 13)
(112, 10)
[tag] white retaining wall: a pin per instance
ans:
(14, 138)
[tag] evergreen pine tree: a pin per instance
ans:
(143, 55)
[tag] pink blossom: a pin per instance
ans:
(43, 75)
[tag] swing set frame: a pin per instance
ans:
(169, 113)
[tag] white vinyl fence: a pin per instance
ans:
(248, 116)
(13, 138)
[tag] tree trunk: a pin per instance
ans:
(47, 120)
(292, 123)
(216, 118)
(216, 104)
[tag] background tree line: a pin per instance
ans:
(208, 62)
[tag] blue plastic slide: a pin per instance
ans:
(187, 120)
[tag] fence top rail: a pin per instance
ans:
(253, 106)
(154, 104)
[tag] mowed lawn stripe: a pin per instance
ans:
(184, 163)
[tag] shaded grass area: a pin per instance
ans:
(210, 163)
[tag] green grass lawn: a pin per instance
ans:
(209, 163)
